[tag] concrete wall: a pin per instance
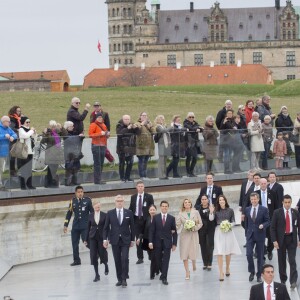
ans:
(33, 232)
(25, 85)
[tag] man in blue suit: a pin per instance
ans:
(163, 238)
(119, 228)
(257, 220)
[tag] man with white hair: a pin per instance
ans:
(74, 116)
(7, 135)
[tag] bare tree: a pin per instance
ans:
(139, 77)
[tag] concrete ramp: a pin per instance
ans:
(4, 267)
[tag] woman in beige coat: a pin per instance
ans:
(189, 238)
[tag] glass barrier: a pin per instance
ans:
(172, 153)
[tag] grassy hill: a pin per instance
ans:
(202, 100)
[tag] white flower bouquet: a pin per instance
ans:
(189, 225)
(225, 226)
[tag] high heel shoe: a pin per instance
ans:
(227, 273)
(188, 275)
(221, 278)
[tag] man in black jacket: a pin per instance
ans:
(285, 232)
(276, 187)
(268, 289)
(139, 205)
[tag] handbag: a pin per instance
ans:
(19, 150)
(294, 138)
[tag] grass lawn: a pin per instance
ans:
(202, 100)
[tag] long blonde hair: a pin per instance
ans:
(182, 205)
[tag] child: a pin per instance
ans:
(287, 157)
(279, 150)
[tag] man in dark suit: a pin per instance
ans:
(139, 205)
(163, 238)
(285, 231)
(82, 207)
(268, 289)
(119, 227)
(211, 190)
(276, 187)
(256, 222)
(269, 200)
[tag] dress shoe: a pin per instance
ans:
(124, 283)
(209, 268)
(204, 268)
(75, 263)
(165, 282)
(227, 274)
(259, 279)
(188, 275)
(106, 271)
(293, 285)
(251, 277)
(163, 178)
(177, 176)
(161, 277)
(119, 283)
(140, 261)
(270, 256)
(152, 276)
(97, 278)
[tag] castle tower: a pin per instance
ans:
(129, 23)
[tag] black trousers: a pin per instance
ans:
(128, 161)
(75, 236)
(206, 239)
(97, 250)
(120, 253)
(289, 247)
(260, 255)
(270, 245)
(138, 228)
(162, 255)
(173, 166)
(153, 263)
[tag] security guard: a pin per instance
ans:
(82, 207)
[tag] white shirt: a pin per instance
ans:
(137, 204)
(209, 192)
(249, 183)
(290, 215)
(271, 185)
(252, 208)
(271, 289)
(162, 215)
(256, 188)
(122, 213)
(97, 217)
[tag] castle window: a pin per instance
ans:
(230, 38)
(217, 26)
(129, 29)
(176, 27)
(250, 37)
(257, 57)
(145, 21)
(217, 37)
(217, 18)
(109, 47)
(126, 61)
(186, 40)
(211, 26)
(289, 35)
(268, 16)
(115, 61)
(294, 34)
(291, 77)
(195, 26)
(125, 47)
(204, 39)
(222, 36)
(171, 60)
(131, 61)
(130, 47)
(113, 12)
(232, 58)
(267, 36)
(187, 19)
(118, 11)
(250, 16)
(289, 24)
(125, 29)
(118, 29)
(168, 19)
(259, 25)
(241, 26)
(124, 12)
(205, 19)
(198, 59)
(114, 29)
(167, 41)
(119, 47)
(283, 24)
(145, 55)
(284, 35)
(115, 47)
(222, 26)
(129, 12)
(290, 59)
(288, 16)
(223, 59)
(119, 61)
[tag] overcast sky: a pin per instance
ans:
(38, 35)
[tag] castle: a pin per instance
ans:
(194, 37)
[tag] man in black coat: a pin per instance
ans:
(276, 187)
(74, 116)
(285, 232)
(82, 208)
(119, 231)
(268, 289)
(139, 205)
(210, 189)
(163, 238)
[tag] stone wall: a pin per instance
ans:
(25, 85)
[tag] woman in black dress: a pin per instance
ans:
(94, 240)
(206, 233)
(144, 239)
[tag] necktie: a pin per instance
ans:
(140, 208)
(287, 222)
(269, 292)
(164, 220)
(254, 214)
(119, 216)
(209, 195)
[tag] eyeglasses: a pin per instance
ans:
(77, 102)
(143, 115)
(191, 117)
(27, 122)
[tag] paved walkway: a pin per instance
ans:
(55, 279)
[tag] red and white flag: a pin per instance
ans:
(99, 47)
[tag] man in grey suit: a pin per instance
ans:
(119, 227)
(285, 231)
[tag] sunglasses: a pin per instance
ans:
(77, 102)
(191, 117)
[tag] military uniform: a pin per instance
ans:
(81, 209)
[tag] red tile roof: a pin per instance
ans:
(193, 75)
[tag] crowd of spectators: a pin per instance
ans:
(247, 134)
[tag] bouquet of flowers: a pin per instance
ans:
(225, 226)
(189, 225)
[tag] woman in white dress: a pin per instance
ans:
(225, 243)
(189, 238)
